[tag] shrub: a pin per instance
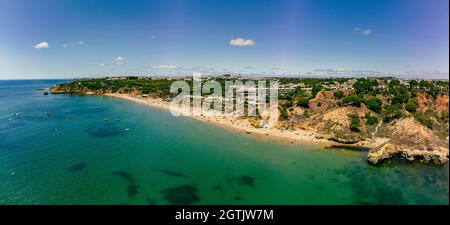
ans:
(354, 123)
(338, 94)
(392, 116)
(288, 104)
(371, 120)
(303, 102)
(354, 100)
(374, 104)
(316, 89)
(411, 107)
(424, 120)
(283, 114)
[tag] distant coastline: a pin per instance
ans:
(391, 117)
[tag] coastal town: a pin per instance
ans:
(392, 117)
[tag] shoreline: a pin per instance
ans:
(244, 127)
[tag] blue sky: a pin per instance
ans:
(83, 38)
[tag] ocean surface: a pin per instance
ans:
(69, 149)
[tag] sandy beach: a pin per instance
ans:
(243, 125)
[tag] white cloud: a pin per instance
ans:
(164, 67)
(42, 45)
(80, 42)
(65, 45)
(101, 64)
(153, 36)
(119, 60)
(242, 42)
(364, 32)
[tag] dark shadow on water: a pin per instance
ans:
(349, 147)
(76, 167)
(243, 180)
(397, 182)
(181, 195)
(218, 188)
(87, 112)
(175, 174)
(124, 175)
(103, 130)
(151, 201)
(237, 198)
(132, 190)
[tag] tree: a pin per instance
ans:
(411, 107)
(413, 83)
(371, 120)
(424, 84)
(374, 104)
(338, 94)
(354, 100)
(316, 89)
(365, 85)
(303, 102)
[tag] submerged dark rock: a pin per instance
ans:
(181, 195)
(104, 130)
(132, 190)
(76, 167)
(218, 188)
(175, 174)
(243, 180)
(124, 175)
(246, 180)
(151, 201)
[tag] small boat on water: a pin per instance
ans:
(127, 129)
(45, 92)
(12, 173)
(17, 114)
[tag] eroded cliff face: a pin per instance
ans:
(322, 102)
(411, 140)
(335, 125)
(442, 103)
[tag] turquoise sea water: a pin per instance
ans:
(61, 150)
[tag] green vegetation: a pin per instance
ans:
(354, 122)
(374, 104)
(371, 120)
(316, 89)
(303, 102)
(354, 100)
(283, 113)
(424, 120)
(338, 94)
(392, 112)
(366, 86)
(411, 107)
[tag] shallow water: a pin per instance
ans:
(68, 149)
